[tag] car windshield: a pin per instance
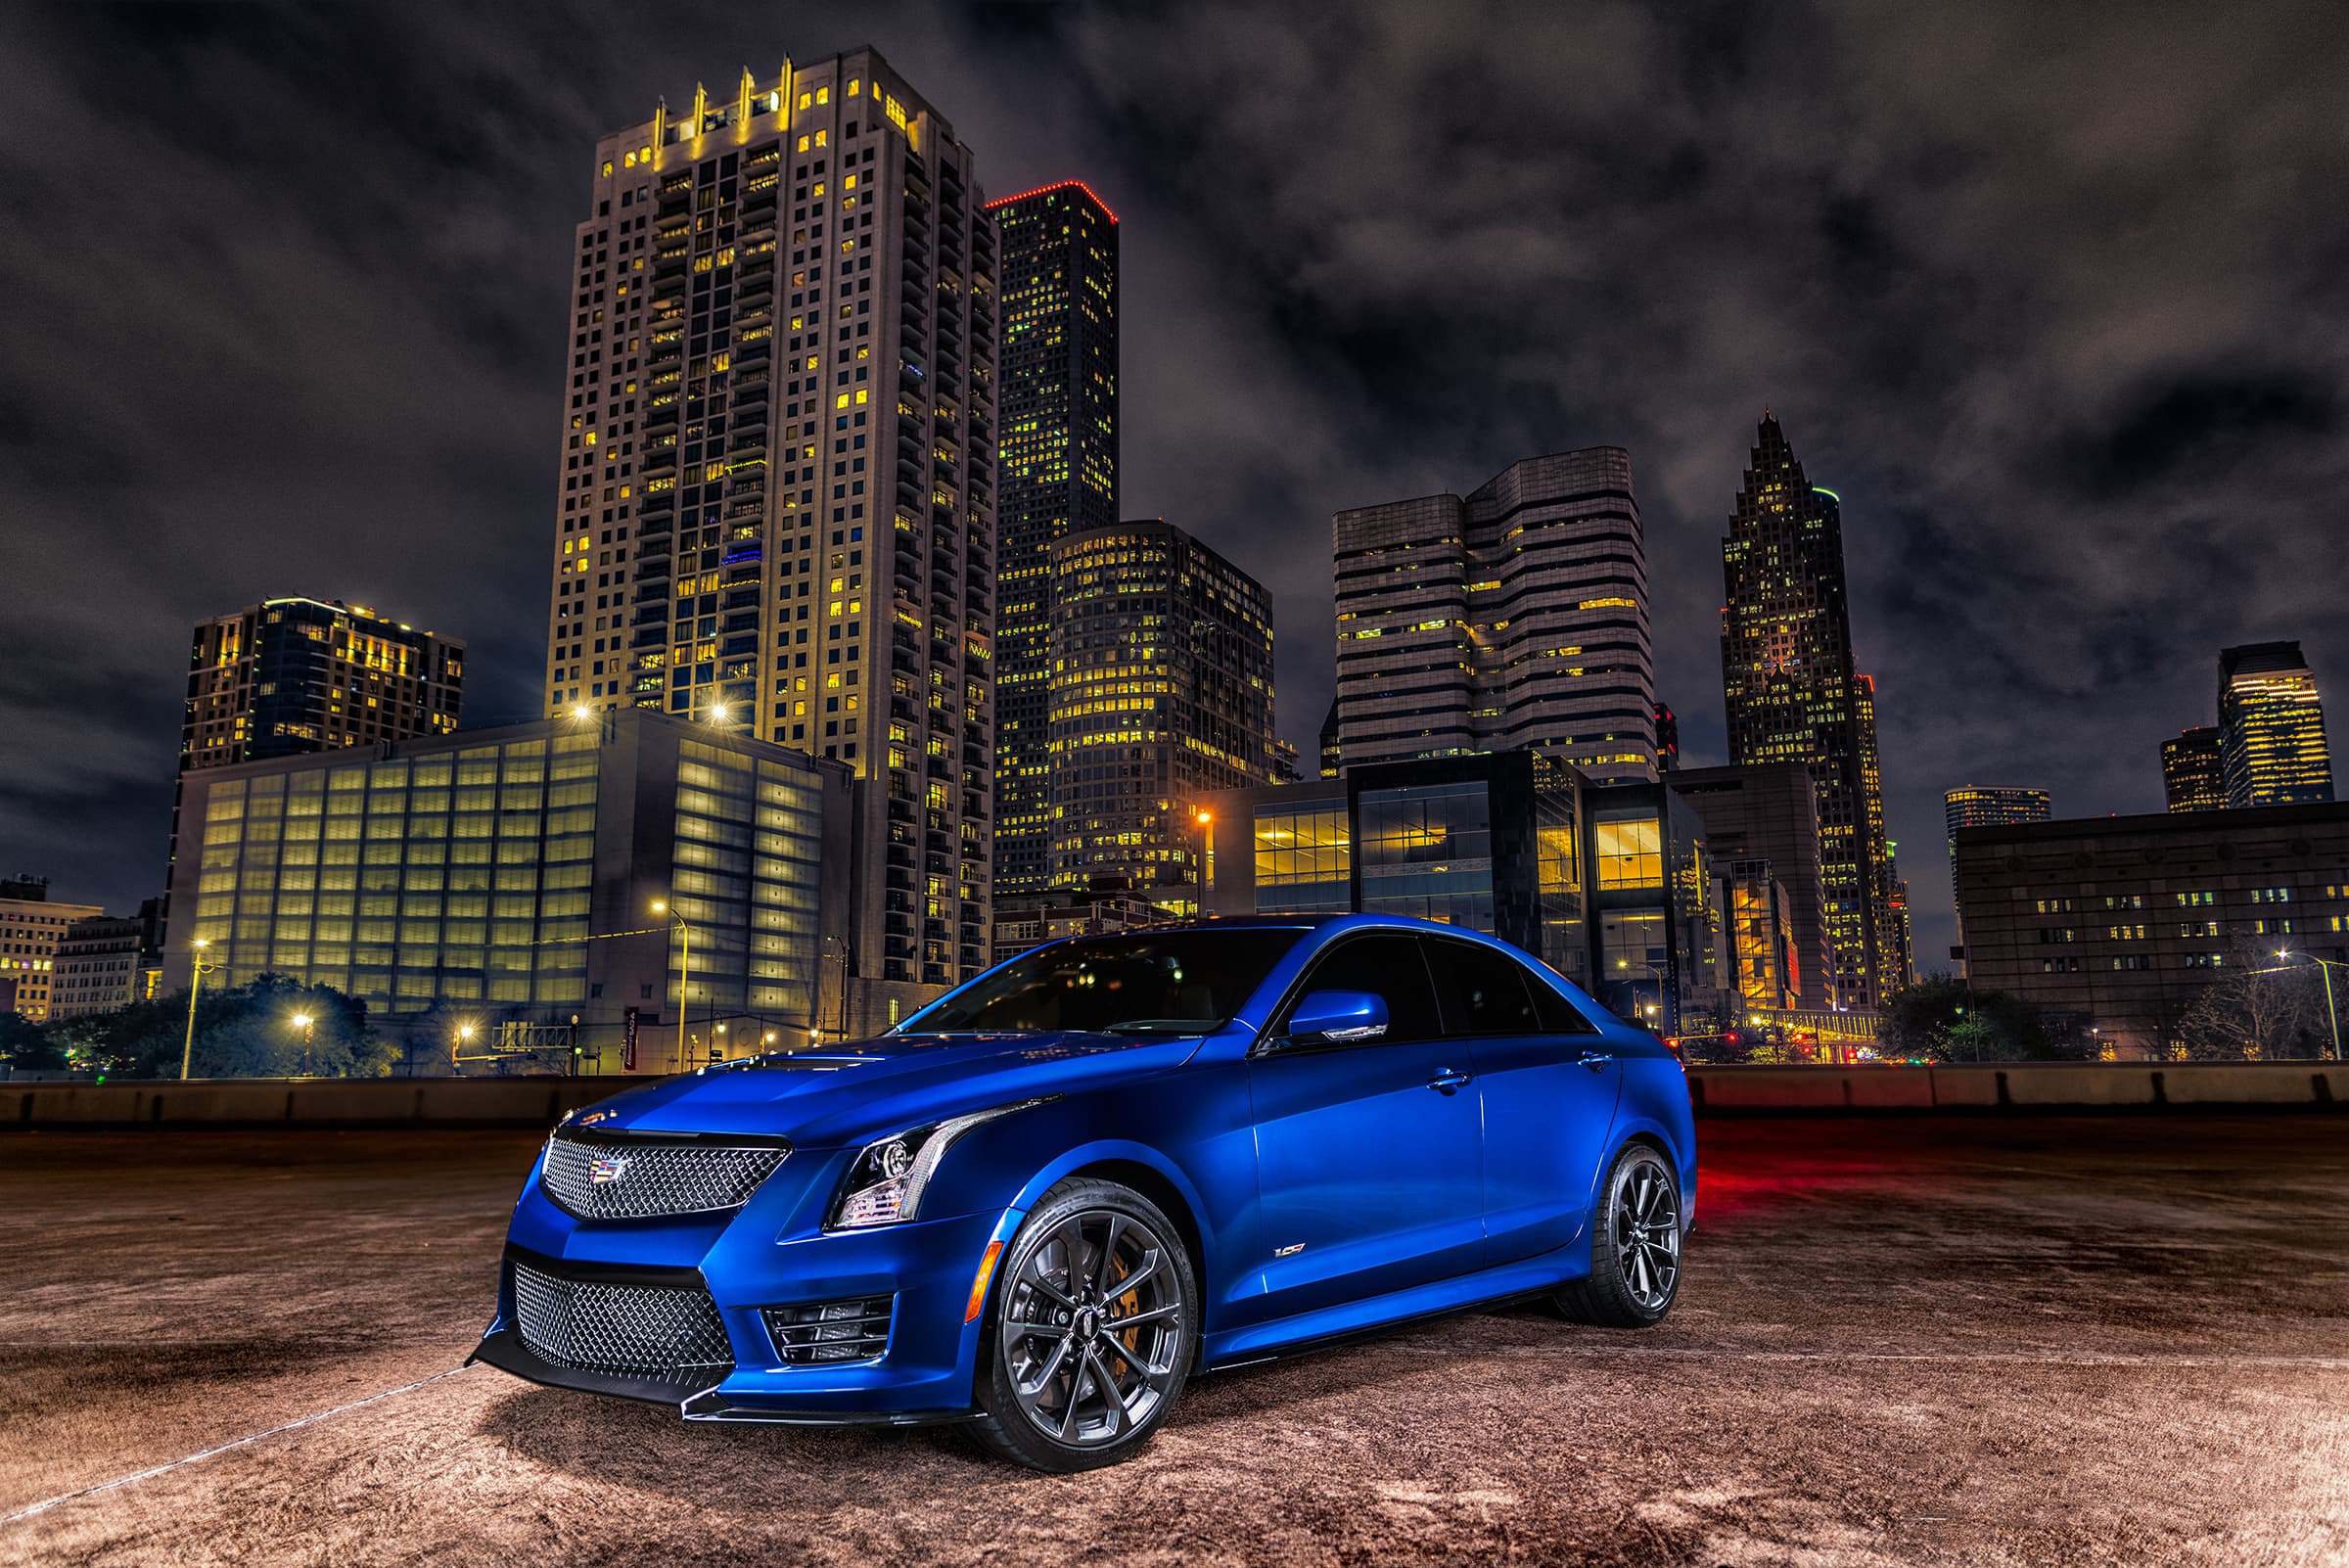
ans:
(1145, 983)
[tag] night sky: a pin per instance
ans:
(2058, 303)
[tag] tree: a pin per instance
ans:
(1942, 1019)
(28, 1046)
(240, 1031)
(2257, 1009)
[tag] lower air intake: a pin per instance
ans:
(831, 1331)
(663, 1333)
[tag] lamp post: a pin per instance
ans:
(684, 964)
(187, 1052)
(2332, 1017)
(1207, 851)
(304, 1021)
(847, 957)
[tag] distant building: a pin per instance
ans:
(1288, 767)
(99, 967)
(1795, 694)
(1989, 805)
(1161, 694)
(293, 675)
(32, 929)
(508, 877)
(1331, 757)
(1057, 400)
(1607, 884)
(1768, 816)
(2193, 771)
(1761, 933)
(1024, 920)
(2123, 920)
(2271, 727)
(1516, 617)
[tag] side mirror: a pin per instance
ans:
(1339, 1015)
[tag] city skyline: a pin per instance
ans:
(2033, 545)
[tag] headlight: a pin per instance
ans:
(887, 1179)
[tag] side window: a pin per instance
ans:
(1483, 992)
(1388, 967)
(1558, 1015)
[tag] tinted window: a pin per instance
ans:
(1390, 968)
(1558, 1015)
(1173, 982)
(1483, 992)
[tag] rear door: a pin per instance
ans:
(1368, 1154)
(1548, 1084)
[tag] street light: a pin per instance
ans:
(187, 1052)
(582, 713)
(717, 713)
(2325, 966)
(685, 949)
(1207, 850)
(302, 1022)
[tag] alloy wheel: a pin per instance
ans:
(1091, 1328)
(1646, 1222)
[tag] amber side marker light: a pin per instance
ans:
(986, 1272)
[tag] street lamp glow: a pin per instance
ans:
(660, 908)
(582, 712)
(301, 1020)
(717, 713)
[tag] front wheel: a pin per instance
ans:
(1635, 1246)
(1093, 1330)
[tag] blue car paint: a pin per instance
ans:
(1327, 1192)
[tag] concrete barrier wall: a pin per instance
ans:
(305, 1102)
(2017, 1085)
(1717, 1090)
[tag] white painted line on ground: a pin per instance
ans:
(2333, 1364)
(222, 1448)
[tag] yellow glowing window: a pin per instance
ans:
(644, 155)
(1612, 602)
(802, 144)
(806, 99)
(853, 83)
(861, 396)
(842, 401)
(849, 184)
(608, 165)
(823, 95)
(820, 138)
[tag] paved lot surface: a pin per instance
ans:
(1978, 1342)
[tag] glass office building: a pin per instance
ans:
(512, 875)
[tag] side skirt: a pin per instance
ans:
(1326, 1327)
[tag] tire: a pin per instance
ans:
(1061, 1387)
(1635, 1235)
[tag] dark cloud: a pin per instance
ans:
(2058, 298)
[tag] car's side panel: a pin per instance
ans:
(1548, 1102)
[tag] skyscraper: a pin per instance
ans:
(291, 675)
(1515, 618)
(1058, 403)
(2271, 727)
(1989, 805)
(1794, 694)
(2193, 771)
(1161, 693)
(777, 514)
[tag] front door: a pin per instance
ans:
(1369, 1155)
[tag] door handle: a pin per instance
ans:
(1594, 1060)
(1449, 1080)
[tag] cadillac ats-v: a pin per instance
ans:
(1046, 1200)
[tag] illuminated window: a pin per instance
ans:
(1630, 853)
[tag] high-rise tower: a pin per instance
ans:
(291, 675)
(2271, 727)
(1794, 694)
(777, 514)
(1161, 693)
(1515, 619)
(1058, 406)
(2194, 770)
(1989, 805)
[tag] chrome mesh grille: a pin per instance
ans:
(612, 1177)
(668, 1333)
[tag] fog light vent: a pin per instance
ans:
(827, 1332)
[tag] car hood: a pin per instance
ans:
(822, 1099)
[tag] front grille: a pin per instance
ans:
(665, 1333)
(614, 1177)
(853, 1330)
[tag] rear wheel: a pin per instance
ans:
(1635, 1246)
(1093, 1330)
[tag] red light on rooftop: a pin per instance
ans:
(1056, 185)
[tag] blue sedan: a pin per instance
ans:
(1049, 1198)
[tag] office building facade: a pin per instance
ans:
(1794, 694)
(287, 676)
(1057, 405)
(2123, 920)
(777, 515)
(100, 966)
(1607, 884)
(1515, 618)
(2193, 771)
(2271, 727)
(31, 931)
(1767, 815)
(508, 877)
(1161, 694)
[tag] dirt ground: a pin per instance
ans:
(2120, 1340)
